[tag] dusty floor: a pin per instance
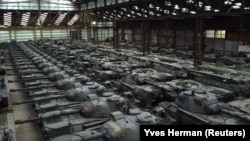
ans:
(22, 132)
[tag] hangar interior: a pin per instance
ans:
(76, 70)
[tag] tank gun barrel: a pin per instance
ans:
(39, 99)
(92, 137)
(46, 116)
(31, 88)
(48, 92)
(234, 112)
(127, 85)
(29, 79)
(17, 57)
(24, 73)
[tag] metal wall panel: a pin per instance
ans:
(128, 35)
(244, 48)
(231, 46)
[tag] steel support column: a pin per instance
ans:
(80, 24)
(115, 36)
(148, 33)
(198, 43)
(143, 39)
(174, 38)
(39, 13)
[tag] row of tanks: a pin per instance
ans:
(70, 103)
(95, 93)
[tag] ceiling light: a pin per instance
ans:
(208, 8)
(236, 7)
(184, 10)
(7, 19)
(216, 10)
(238, 4)
(174, 13)
(176, 7)
(228, 2)
(60, 18)
(25, 18)
(168, 3)
(93, 23)
(136, 7)
(151, 5)
(190, 1)
(192, 12)
(166, 11)
(74, 19)
(247, 8)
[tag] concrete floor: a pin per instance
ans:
(22, 132)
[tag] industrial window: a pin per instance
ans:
(91, 5)
(220, 34)
(24, 35)
(85, 34)
(60, 34)
(210, 33)
(4, 36)
(46, 34)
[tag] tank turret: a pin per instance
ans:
(94, 108)
(64, 84)
(79, 94)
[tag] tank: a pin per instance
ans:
(3, 94)
(202, 107)
(93, 113)
(6, 134)
(173, 88)
(38, 79)
(64, 84)
(78, 94)
(120, 127)
(142, 76)
(231, 81)
(138, 81)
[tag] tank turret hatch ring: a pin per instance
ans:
(90, 83)
(191, 85)
(134, 111)
(189, 93)
(113, 98)
(144, 118)
(108, 94)
(200, 91)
